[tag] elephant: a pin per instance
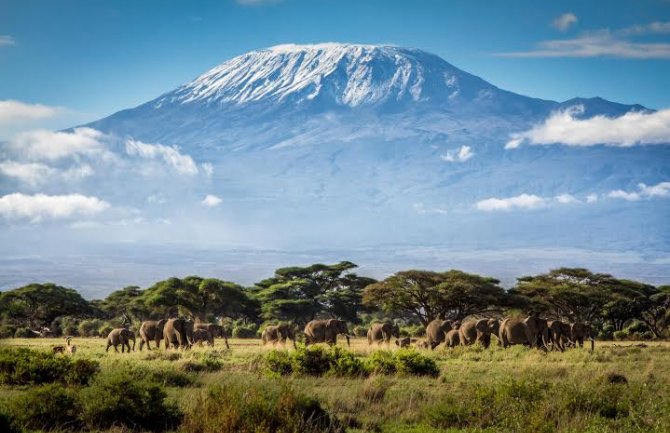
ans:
(478, 331)
(200, 335)
(579, 332)
(382, 332)
(151, 330)
(214, 329)
(557, 334)
(278, 333)
(404, 342)
(436, 330)
(325, 331)
(531, 331)
(120, 336)
(453, 338)
(178, 333)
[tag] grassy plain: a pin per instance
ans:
(619, 387)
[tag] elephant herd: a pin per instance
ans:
(531, 331)
(175, 333)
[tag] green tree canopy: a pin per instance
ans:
(40, 304)
(300, 294)
(428, 295)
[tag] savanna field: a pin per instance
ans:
(619, 387)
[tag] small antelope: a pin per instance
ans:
(70, 348)
(58, 349)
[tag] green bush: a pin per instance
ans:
(24, 366)
(344, 363)
(24, 333)
(245, 331)
(7, 424)
(314, 361)
(279, 362)
(104, 330)
(413, 331)
(412, 362)
(7, 331)
(122, 399)
(360, 331)
(47, 407)
(310, 360)
(381, 362)
(258, 407)
(89, 328)
(620, 335)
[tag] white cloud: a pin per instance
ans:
(566, 199)
(565, 21)
(211, 201)
(16, 111)
(523, 201)
(207, 168)
(6, 40)
(660, 190)
(605, 43)
(34, 173)
(181, 163)
(421, 209)
(39, 206)
(47, 145)
(631, 129)
(592, 198)
(460, 155)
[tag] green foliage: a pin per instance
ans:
(407, 362)
(89, 328)
(298, 294)
(413, 331)
(24, 366)
(427, 295)
(314, 361)
(40, 304)
(120, 398)
(7, 331)
(47, 407)
(260, 407)
(24, 333)
(241, 330)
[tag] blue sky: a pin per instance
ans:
(96, 57)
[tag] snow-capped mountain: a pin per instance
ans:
(354, 147)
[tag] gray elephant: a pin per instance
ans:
(436, 331)
(478, 331)
(382, 332)
(178, 333)
(404, 342)
(453, 338)
(214, 329)
(557, 334)
(325, 331)
(120, 336)
(579, 332)
(203, 335)
(278, 334)
(151, 330)
(531, 331)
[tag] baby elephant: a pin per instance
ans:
(120, 336)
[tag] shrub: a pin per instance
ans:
(245, 331)
(310, 360)
(279, 362)
(411, 362)
(374, 389)
(48, 407)
(7, 331)
(620, 335)
(24, 333)
(89, 328)
(24, 366)
(104, 330)
(7, 424)
(381, 362)
(360, 331)
(121, 399)
(314, 361)
(413, 331)
(344, 363)
(259, 407)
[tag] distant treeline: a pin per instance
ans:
(613, 307)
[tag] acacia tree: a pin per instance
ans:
(203, 298)
(300, 294)
(127, 302)
(428, 295)
(656, 315)
(41, 304)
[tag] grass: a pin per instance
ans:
(617, 388)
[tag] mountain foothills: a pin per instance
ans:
(361, 147)
(296, 295)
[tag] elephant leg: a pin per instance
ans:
(142, 344)
(107, 349)
(225, 340)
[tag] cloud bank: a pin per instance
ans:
(181, 163)
(40, 206)
(523, 201)
(41, 145)
(660, 190)
(631, 129)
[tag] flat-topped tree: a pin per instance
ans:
(427, 295)
(300, 294)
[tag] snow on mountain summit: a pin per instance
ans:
(341, 74)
